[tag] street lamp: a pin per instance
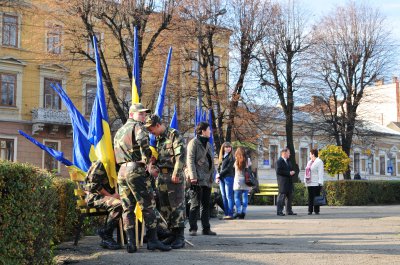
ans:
(199, 44)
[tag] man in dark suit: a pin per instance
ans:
(284, 175)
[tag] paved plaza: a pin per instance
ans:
(339, 235)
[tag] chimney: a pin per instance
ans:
(394, 79)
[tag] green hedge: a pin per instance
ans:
(346, 192)
(37, 210)
(27, 214)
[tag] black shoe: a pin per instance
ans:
(280, 214)
(208, 232)
(153, 245)
(131, 241)
(292, 213)
(236, 215)
(309, 213)
(110, 244)
(317, 213)
(131, 248)
(241, 216)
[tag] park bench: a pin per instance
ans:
(268, 189)
(81, 205)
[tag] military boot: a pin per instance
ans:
(106, 235)
(153, 243)
(179, 241)
(131, 242)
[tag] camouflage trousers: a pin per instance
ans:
(172, 200)
(112, 205)
(135, 186)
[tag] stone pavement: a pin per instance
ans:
(339, 235)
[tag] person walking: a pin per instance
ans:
(225, 178)
(314, 180)
(240, 188)
(200, 165)
(170, 182)
(133, 154)
(284, 175)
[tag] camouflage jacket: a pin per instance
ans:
(171, 150)
(131, 143)
(97, 179)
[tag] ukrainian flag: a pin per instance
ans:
(99, 129)
(135, 70)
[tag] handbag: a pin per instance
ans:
(249, 178)
(320, 200)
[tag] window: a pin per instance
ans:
(51, 98)
(50, 163)
(370, 164)
(10, 31)
(382, 165)
(54, 39)
(273, 155)
(217, 62)
(89, 98)
(392, 165)
(303, 158)
(357, 163)
(7, 149)
(8, 86)
(195, 64)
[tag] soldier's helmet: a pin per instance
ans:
(152, 120)
(138, 107)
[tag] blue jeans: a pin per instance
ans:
(241, 200)
(226, 188)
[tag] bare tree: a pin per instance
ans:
(250, 21)
(353, 49)
(282, 61)
(119, 18)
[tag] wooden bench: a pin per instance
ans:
(269, 189)
(79, 180)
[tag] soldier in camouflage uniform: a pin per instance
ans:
(171, 184)
(102, 196)
(132, 153)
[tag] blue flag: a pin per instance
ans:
(54, 153)
(174, 120)
(82, 153)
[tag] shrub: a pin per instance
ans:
(27, 214)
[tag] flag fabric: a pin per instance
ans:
(138, 212)
(211, 129)
(161, 95)
(135, 69)
(99, 129)
(174, 120)
(75, 172)
(83, 153)
(54, 153)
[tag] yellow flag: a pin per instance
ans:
(135, 93)
(138, 212)
(76, 173)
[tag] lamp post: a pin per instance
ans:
(199, 45)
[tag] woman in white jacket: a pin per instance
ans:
(314, 180)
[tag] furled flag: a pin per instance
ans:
(135, 69)
(174, 120)
(99, 129)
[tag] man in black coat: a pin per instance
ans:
(284, 175)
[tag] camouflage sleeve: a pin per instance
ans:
(179, 152)
(142, 138)
(95, 176)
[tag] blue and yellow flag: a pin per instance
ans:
(135, 69)
(54, 153)
(83, 151)
(99, 129)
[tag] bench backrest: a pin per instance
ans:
(270, 187)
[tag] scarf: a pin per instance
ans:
(308, 171)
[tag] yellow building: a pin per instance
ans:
(35, 51)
